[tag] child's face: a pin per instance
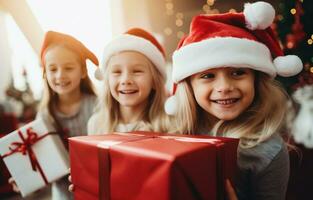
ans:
(224, 92)
(130, 79)
(63, 70)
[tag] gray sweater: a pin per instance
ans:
(76, 125)
(263, 171)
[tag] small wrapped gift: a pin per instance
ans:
(34, 156)
(152, 166)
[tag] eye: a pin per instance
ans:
(116, 72)
(52, 69)
(238, 72)
(69, 68)
(138, 71)
(207, 76)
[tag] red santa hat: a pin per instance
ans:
(139, 40)
(232, 40)
(54, 38)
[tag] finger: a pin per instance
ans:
(69, 178)
(230, 191)
(11, 180)
(71, 188)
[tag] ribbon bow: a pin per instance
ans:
(24, 147)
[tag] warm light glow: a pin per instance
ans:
(312, 36)
(311, 68)
(232, 10)
(88, 21)
(293, 11)
(168, 31)
(310, 41)
(290, 45)
(179, 22)
(206, 8)
(169, 6)
(280, 17)
(210, 2)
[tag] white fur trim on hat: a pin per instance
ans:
(171, 105)
(259, 15)
(129, 42)
(218, 52)
(289, 65)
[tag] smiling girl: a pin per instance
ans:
(133, 74)
(224, 72)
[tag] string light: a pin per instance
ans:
(210, 2)
(280, 17)
(311, 68)
(293, 11)
(310, 41)
(232, 10)
(169, 6)
(168, 31)
(206, 8)
(312, 36)
(179, 22)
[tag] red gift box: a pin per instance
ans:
(151, 166)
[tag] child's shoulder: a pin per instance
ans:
(273, 151)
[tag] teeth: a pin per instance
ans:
(128, 91)
(226, 102)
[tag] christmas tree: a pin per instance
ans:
(295, 29)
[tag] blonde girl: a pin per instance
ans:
(133, 75)
(68, 97)
(224, 73)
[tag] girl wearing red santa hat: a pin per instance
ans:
(68, 96)
(223, 74)
(133, 94)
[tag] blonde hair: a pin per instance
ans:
(154, 118)
(260, 121)
(50, 97)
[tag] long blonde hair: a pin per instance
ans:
(260, 121)
(107, 116)
(50, 97)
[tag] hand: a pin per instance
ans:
(14, 186)
(71, 186)
(231, 194)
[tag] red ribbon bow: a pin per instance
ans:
(24, 147)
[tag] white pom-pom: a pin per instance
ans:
(171, 105)
(259, 15)
(98, 74)
(289, 65)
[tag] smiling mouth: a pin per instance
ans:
(128, 91)
(63, 84)
(226, 101)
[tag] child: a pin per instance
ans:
(133, 73)
(68, 97)
(224, 73)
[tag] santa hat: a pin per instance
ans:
(139, 40)
(53, 38)
(235, 40)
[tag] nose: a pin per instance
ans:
(126, 78)
(60, 73)
(223, 84)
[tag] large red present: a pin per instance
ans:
(151, 166)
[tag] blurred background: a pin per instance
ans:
(95, 22)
